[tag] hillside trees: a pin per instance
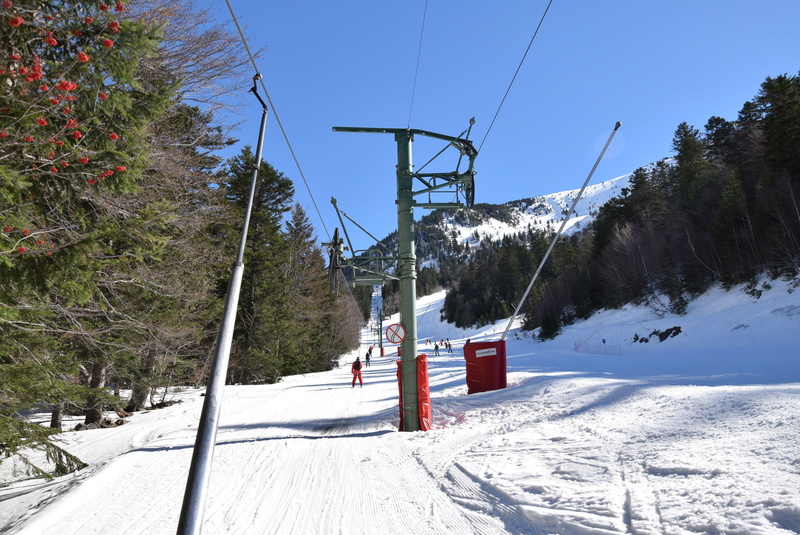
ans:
(728, 213)
(263, 321)
(778, 103)
(72, 138)
(723, 210)
(488, 288)
(289, 322)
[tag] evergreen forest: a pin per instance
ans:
(119, 222)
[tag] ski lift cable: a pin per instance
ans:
(416, 70)
(560, 229)
(277, 118)
(350, 291)
(535, 33)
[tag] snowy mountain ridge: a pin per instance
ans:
(545, 212)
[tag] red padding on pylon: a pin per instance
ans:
(400, 386)
(423, 394)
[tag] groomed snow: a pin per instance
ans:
(595, 434)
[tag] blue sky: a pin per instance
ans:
(648, 64)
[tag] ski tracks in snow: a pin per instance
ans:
(567, 464)
(323, 470)
(549, 454)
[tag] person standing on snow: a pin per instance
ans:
(356, 369)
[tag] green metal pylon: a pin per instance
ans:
(406, 254)
(407, 271)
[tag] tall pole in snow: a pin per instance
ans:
(407, 270)
(406, 257)
(561, 228)
(194, 499)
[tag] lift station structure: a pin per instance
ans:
(372, 268)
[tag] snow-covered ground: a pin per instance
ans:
(595, 434)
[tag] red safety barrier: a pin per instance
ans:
(400, 386)
(486, 366)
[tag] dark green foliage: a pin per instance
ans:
(427, 281)
(115, 235)
(22, 439)
(363, 297)
(73, 145)
(320, 338)
(263, 326)
(693, 167)
(288, 320)
(778, 103)
(489, 287)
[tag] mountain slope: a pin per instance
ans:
(447, 232)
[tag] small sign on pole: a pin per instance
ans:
(395, 333)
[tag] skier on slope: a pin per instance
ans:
(356, 369)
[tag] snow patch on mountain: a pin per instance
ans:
(546, 212)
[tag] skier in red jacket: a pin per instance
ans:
(356, 369)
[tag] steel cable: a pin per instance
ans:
(515, 74)
(277, 118)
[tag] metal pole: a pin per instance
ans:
(555, 238)
(406, 266)
(380, 326)
(194, 499)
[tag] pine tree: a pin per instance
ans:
(312, 304)
(72, 121)
(692, 168)
(779, 102)
(264, 328)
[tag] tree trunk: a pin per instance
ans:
(97, 380)
(140, 389)
(57, 416)
(139, 394)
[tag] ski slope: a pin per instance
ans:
(696, 434)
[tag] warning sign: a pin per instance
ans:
(395, 333)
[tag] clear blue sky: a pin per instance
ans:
(648, 64)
